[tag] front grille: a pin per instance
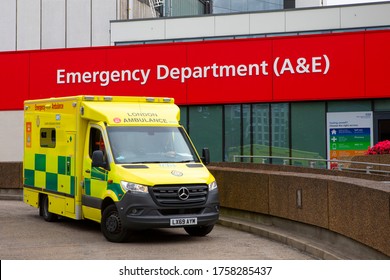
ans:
(168, 195)
(180, 211)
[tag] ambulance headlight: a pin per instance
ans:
(132, 187)
(213, 186)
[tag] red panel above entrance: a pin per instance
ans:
(275, 69)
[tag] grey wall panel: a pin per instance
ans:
(53, 24)
(11, 148)
(315, 19)
(137, 30)
(267, 23)
(190, 28)
(7, 25)
(231, 24)
(102, 12)
(308, 3)
(29, 24)
(370, 15)
(78, 23)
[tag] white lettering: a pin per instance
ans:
(87, 77)
(165, 70)
(115, 76)
(280, 66)
(315, 64)
(145, 76)
(287, 66)
(60, 76)
(103, 78)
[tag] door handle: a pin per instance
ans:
(87, 171)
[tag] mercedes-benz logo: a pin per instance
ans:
(183, 193)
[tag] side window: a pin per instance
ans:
(96, 141)
(48, 138)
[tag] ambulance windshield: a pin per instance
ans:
(150, 145)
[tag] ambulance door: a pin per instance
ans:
(67, 173)
(95, 178)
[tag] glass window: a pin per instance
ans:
(96, 142)
(349, 106)
(48, 138)
(148, 144)
(308, 132)
(280, 146)
(184, 117)
(246, 131)
(234, 6)
(382, 105)
(232, 132)
(260, 131)
(205, 128)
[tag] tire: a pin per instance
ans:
(111, 225)
(46, 214)
(199, 230)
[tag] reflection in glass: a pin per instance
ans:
(150, 145)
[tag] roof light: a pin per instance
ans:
(89, 97)
(150, 99)
(107, 98)
(166, 100)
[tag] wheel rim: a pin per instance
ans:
(113, 223)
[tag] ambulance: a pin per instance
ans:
(124, 162)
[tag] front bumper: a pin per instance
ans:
(139, 211)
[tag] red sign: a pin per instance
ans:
(276, 69)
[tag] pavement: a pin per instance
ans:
(317, 242)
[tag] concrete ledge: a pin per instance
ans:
(11, 175)
(11, 194)
(317, 242)
(356, 207)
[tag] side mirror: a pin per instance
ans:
(98, 159)
(206, 156)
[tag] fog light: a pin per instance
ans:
(135, 211)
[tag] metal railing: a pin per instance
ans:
(329, 164)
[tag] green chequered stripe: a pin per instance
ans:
(117, 189)
(99, 173)
(87, 186)
(52, 173)
(29, 177)
(40, 162)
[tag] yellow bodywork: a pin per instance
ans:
(57, 160)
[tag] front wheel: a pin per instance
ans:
(47, 215)
(199, 230)
(111, 225)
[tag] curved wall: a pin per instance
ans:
(357, 208)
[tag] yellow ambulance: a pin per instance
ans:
(124, 162)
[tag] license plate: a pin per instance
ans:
(184, 222)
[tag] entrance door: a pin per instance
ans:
(381, 126)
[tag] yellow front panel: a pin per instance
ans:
(99, 188)
(52, 162)
(69, 205)
(31, 197)
(64, 183)
(29, 160)
(40, 179)
(92, 213)
(57, 205)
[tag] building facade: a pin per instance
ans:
(256, 84)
